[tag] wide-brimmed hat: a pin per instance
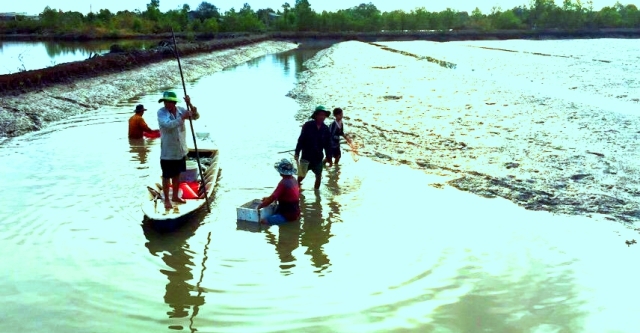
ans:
(140, 108)
(320, 108)
(169, 96)
(285, 167)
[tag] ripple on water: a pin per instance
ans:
(77, 238)
(378, 250)
(369, 290)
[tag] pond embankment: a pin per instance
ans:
(117, 60)
(383, 35)
(464, 35)
(542, 153)
(52, 94)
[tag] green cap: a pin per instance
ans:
(168, 96)
(321, 108)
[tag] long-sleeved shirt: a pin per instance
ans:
(173, 133)
(337, 130)
(137, 126)
(312, 141)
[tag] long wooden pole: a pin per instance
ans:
(193, 133)
(286, 151)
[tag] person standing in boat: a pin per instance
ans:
(287, 194)
(314, 138)
(173, 143)
(137, 125)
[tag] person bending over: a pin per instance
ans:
(287, 194)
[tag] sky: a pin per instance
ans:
(34, 7)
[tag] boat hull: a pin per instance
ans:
(153, 207)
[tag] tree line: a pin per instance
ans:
(207, 18)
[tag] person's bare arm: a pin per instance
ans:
(266, 201)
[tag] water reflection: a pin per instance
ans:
(540, 300)
(312, 231)
(87, 48)
(297, 58)
(286, 242)
(333, 179)
(139, 150)
(56, 49)
(316, 231)
(419, 277)
(183, 298)
(26, 55)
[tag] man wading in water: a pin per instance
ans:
(314, 138)
(173, 143)
(137, 125)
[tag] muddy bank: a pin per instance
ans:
(540, 152)
(204, 37)
(66, 95)
(433, 35)
(117, 60)
(460, 35)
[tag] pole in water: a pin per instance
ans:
(286, 151)
(195, 145)
(196, 307)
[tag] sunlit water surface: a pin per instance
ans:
(378, 249)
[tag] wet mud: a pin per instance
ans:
(540, 152)
(30, 100)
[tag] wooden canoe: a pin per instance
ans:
(153, 207)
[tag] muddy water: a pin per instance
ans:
(379, 248)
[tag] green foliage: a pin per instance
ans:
(365, 17)
(608, 17)
(49, 18)
(507, 20)
(206, 11)
(153, 11)
(210, 25)
(229, 21)
(305, 16)
(266, 16)
(137, 25)
(395, 20)
(114, 34)
(248, 20)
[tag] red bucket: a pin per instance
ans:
(188, 192)
(152, 135)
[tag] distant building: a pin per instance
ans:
(12, 16)
(273, 17)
